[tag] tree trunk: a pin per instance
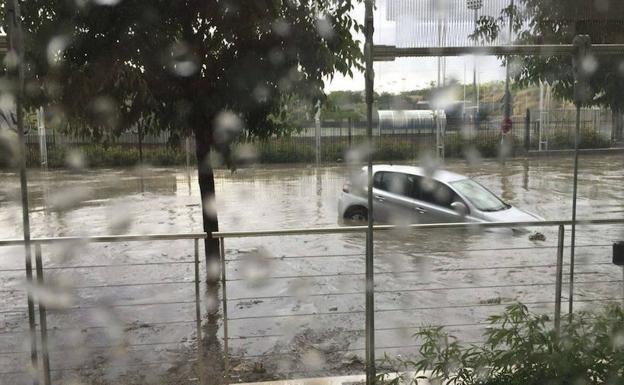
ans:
(205, 172)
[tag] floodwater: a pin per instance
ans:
(125, 312)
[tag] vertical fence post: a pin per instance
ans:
(574, 202)
(226, 350)
(200, 342)
(370, 284)
(527, 130)
(559, 279)
(43, 321)
(317, 133)
(350, 128)
(16, 75)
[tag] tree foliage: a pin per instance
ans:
(108, 64)
(557, 22)
(214, 68)
(521, 348)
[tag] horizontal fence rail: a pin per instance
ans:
(237, 334)
(392, 310)
(463, 225)
(137, 350)
(387, 53)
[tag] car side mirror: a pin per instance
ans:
(460, 208)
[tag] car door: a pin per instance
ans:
(432, 201)
(391, 197)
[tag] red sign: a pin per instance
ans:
(506, 125)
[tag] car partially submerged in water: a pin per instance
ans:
(406, 194)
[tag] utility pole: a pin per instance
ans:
(370, 277)
(507, 123)
(582, 95)
(15, 69)
(475, 5)
(507, 107)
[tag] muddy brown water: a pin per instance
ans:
(125, 312)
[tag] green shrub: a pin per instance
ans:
(564, 140)
(486, 143)
(113, 156)
(302, 150)
(284, 151)
(523, 349)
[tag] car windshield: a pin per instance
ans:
(479, 196)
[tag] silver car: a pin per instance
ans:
(405, 194)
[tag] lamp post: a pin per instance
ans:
(475, 5)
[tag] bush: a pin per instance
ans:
(523, 349)
(284, 151)
(487, 143)
(302, 150)
(564, 140)
(113, 156)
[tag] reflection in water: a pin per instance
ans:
(407, 263)
(319, 191)
(506, 186)
(525, 175)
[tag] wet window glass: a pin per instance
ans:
(434, 192)
(479, 196)
(395, 183)
(377, 180)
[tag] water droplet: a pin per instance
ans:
(109, 3)
(325, 28)
(182, 61)
(246, 154)
(11, 60)
(213, 270)
(257, 267)
(473, 156)
(300, 288)
(228, 126)
(281, 27)
(212, 304)
(53, 294)
(210, 207)
(55, 49)
(313, 359)
(67, 198)
(75, 159)
(104, 111)
(276, 56)
(120, 217)
(261, 93)
(590, 64)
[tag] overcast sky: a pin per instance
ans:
(414, 27)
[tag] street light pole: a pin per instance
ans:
(370, 278)
(475, 5)
(507, 108)
(16, 73)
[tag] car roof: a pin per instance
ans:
(440, 175)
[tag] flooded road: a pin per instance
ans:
(295, 304)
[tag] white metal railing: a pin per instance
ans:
(37, 243)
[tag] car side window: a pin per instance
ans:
(377, 180)
(434, 192)
(393, 182)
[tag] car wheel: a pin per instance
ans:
(357, 214)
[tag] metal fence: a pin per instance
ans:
(310, 322)
(552, 131)
(106, 327)
(291, 316)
